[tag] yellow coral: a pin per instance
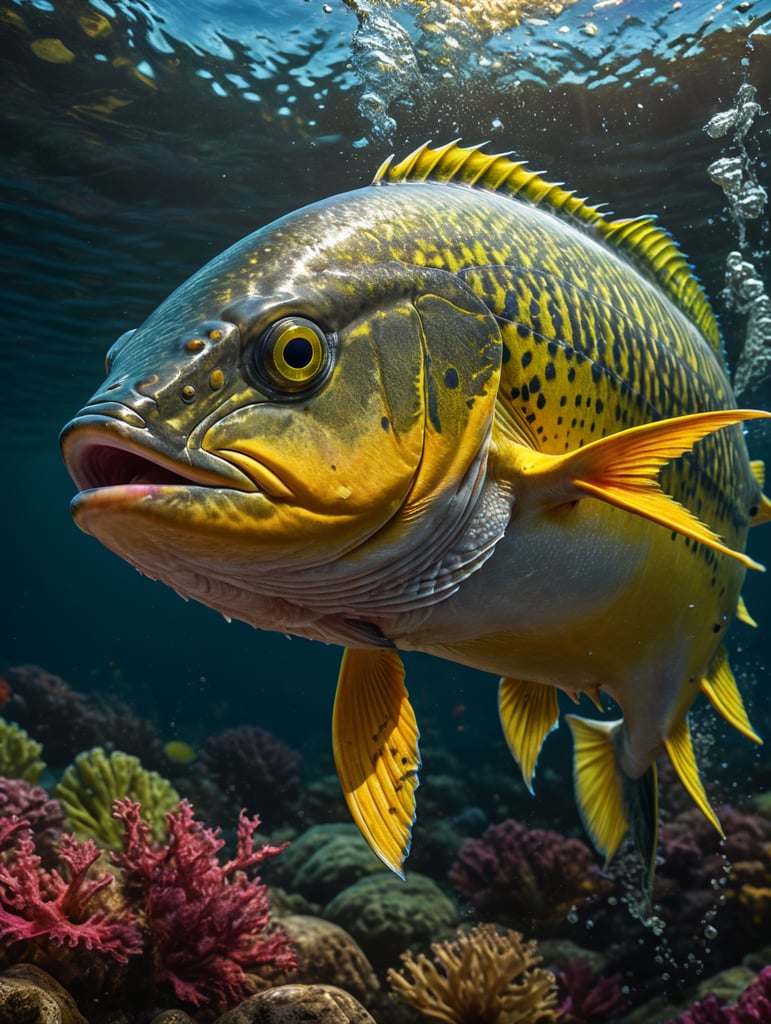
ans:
(19, 753)
(91, 785)
(483, 976)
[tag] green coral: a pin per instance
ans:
(19, 753)
(91, 785)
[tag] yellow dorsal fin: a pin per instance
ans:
(680, 750)
(743, 615)
(720, 687)
(758, 468)
(650, 247)
(622, 468)
(598, 783)
(528, 712)
(375, 745)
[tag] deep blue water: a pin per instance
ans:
(139, 140)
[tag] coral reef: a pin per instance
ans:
(259, 769)
(43, 909)
(207, 923)
(753, 1006)
(90, 787)
(528, 878)
(41, 701)
(41, 812)
(479, 977)
(19, 753)
(386, 915)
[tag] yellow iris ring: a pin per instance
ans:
(296, 352)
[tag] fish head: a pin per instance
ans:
(286, 407)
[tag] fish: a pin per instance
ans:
(460, 411)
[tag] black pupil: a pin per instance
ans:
(298, 353)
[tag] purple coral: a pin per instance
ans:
(586, 998)
(39, 907)
(207, 922)
(753, 1007)
(528, 878)
(258, 768)
(43, 814)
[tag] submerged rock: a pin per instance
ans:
(30, 996)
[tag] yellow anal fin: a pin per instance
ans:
(622, 468)
(375, 745)
(743, 615)
(680, 750)
(529, 712)
(720, 687)
(598, 783)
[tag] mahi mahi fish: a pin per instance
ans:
(458, 411)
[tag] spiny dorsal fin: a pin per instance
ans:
(650, 247)
(758, 469)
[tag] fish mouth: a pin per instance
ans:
(104, 455)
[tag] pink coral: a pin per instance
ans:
(207, 922)
(587, 998)
(43, 814)
(38, 906)
(753, 1007)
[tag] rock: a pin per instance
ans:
(30, 996)
(385, 915)
(173, 1017)
(328, 955)
(299, 1004)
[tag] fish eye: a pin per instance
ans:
(292, 354)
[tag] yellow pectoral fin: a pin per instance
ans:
(375, 744)
(622, 468)
(720, 687)
(680, 750)
(598, 783)
(529, 712)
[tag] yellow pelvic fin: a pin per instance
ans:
(598, 783)
(622, 468)
(743, 615)
(680, 750)
(529, 712)
(375, 745)
(720, 687)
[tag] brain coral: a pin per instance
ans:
(92, 784)
(386, 915)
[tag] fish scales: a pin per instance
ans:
(459, 412)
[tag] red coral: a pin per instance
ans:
(586, 998)
(38, 906)
(207, 921)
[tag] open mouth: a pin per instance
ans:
(96, 458)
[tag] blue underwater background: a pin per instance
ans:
(141, 138)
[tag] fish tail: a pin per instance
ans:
(610, 803)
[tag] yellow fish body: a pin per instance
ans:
(458, 412)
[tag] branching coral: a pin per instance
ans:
(41, 908)
(19, 753)
(586, 998)
(91, 785)
(526, 877)
(479, 977)
(207, 922)
(257, 767)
